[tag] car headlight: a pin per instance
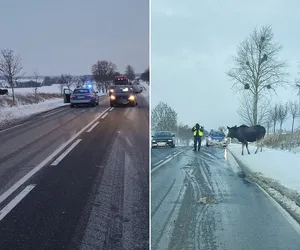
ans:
(112, 97)
(153, 140)
(170, 140)
(131, 98)
(209, 138)
(111, 90)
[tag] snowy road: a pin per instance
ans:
(93, 194)
(203, 201)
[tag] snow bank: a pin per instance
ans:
(146, 90)
(55, 88)
(276, 171)
(9, 114)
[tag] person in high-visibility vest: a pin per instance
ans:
(198, 133)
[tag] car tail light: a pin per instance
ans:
(91, 96)
(72, 96)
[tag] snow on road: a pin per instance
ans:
(146, 90)
(276, 171)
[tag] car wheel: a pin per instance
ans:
(207, 145)
(72, 105)
(173, 146)
(111, 104)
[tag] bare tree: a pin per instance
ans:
(130, 72)
(294, 110)
(10, 68)
(274, 117)
(257, 67)
(65, 80)
(246, 111)
(282, 114)
(145, 76)
(163, 117)
(103, 72)
(36, 77)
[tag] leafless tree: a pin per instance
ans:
(257, 67)
(282, 114)
(246, 110)
(222, 128)
(163, 117)
(274, 117)
(36, 77)
(130, 72)
(294, 110)
(65, 80)
(10, 68)
(103, 72)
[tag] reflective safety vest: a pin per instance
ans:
(200, 133)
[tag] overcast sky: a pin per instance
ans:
(193, 43)
(68, 36)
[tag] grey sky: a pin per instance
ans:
(68, 36)
(193, 43)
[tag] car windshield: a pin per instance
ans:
(163, 134)
(217, 133)
(81, 91)
(126, 89)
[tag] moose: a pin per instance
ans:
(3, 92)
(246, 134)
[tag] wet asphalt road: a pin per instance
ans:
(95, 197)
(203, 201)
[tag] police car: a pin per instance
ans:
(84, 96)
(216, 138)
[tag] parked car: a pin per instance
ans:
(87, 96)
(216, 138)
(163, 139)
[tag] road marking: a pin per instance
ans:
(25, 178)
(91, 128)
(15, 201)
(158, 162)
(111, 108)
(129, 142)
(167, 157)
(104, 116)
(285, 214)
(164, 162)
(64, 154)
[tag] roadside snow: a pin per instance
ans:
(55, 88)
(145, 92)
(276, 171)
(22, 111)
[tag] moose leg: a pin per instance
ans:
(243, 145)
(258, 143)
(247, 148)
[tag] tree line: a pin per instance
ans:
(257, 74)
(165, 118)
(103, 73)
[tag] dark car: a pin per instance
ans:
(163, 139)
(123, 95)
(216, 138)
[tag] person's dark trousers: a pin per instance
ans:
(197, 139)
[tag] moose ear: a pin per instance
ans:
(228, 127)
(235, 126)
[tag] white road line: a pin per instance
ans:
(91, 128)
(104, 116)
(25, 178)
(167, 157)
(129, 142)
(285, 214)
(64, 154)
(111, 108)
(158, 162)
(15, 201)
(164, 162)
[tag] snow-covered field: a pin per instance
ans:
(276, 171)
